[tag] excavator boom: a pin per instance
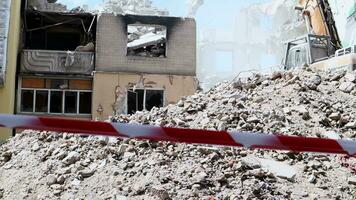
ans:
(320, 19)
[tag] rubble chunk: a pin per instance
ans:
(347, 87)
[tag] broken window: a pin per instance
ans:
(55, 96)
(146, 40)
(144, 99)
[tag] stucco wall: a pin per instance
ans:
(108, 87)
(7, 93)
(111, 46)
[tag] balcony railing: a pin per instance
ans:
(48, 61)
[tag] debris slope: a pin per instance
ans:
(46, 165)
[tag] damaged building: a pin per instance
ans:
(142, 62)
(84, 65)
(56, 65)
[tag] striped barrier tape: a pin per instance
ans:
(224, 138)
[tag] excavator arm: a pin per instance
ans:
(320, 20)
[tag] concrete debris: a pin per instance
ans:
(332, 135)
(350, 77)
(45, 5)
(141, 7)
(279, 169)
(51, 165)
(352, 180)
(347, 87)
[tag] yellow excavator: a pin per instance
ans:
(321, 47)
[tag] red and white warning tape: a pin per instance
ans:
(239, 139)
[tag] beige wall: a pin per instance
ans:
(7, 93)
(108, 86)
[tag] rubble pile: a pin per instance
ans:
(142, 7)
(44, 165)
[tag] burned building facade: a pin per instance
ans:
(56, 65)
(142, 62)
(93, 66)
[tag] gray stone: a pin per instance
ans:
(352, 180)
(334, 116)
(347, 87)
(72, 158)
(159, 192)
(276, 75)
(129, 155)
(353, 92)
(57, 187)
(303, 111)
(252, 119)
(251, 162)
(86, 173)
(122, 149)
(332, 135)
(178, 122)
(279, 169)
(351, 125)
(350, 77)
(51, 179)
(221, 126)
(35, 147)
(312, 179)
(120, 197)
(61, 179)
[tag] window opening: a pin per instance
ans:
(146, 40)
(27, 100)
(154, 98)
(41, 101)
(70, 102)
(85, 103)
(144, 99)
(132, 102)
(55, 96)
(56, 102)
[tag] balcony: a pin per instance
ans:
(49, 61)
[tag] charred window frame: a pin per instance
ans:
(144, 99)
(147, 40)
(54, 97)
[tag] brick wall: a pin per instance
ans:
(112, 41)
